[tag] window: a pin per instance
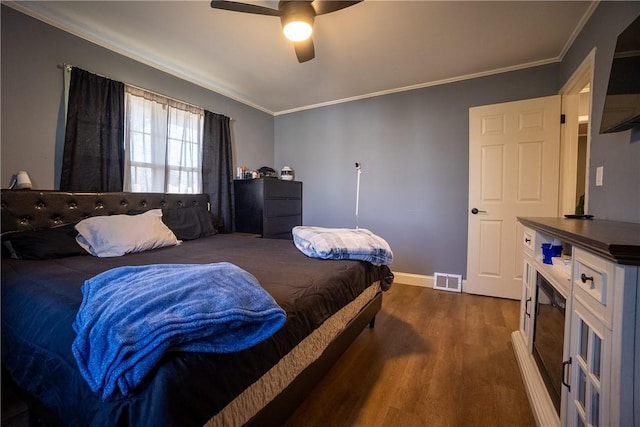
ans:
(163, 144)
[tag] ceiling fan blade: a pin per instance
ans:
(322, 7)
(304, 50)
(235, 6)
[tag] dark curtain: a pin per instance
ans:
(93, 158)
(217, 168)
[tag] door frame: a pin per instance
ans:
(582, 76)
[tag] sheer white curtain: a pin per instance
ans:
(163, 144)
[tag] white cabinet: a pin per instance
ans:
(600, 362)
(523, 340)
(602, 349)
(588, 385)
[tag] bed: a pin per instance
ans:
(327, 304)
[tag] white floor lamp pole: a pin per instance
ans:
(357, 191)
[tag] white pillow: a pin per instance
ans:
(116, 235)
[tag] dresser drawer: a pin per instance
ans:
(282, 207)
(280, 227)
(274, 188)
(592, 284)
(529, 240)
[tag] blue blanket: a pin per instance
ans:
(342, 243)
(131, 316)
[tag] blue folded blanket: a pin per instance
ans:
(342, 243)
(131, 316)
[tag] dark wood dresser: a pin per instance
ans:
(267, 206)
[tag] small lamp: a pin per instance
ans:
(21, 181)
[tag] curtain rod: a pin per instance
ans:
(69, 67)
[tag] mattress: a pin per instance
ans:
(40, 300)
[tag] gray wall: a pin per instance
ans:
(413, 147)
(32, 98)
(619, 153)
(414, 151)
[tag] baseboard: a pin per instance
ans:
(413, 279)
(416, 280)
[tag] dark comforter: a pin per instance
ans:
(40, 300)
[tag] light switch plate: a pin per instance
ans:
(599, 173)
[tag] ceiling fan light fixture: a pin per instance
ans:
(296, 16)
(297, 31)
(297, 19)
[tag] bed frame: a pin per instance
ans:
(36, 209)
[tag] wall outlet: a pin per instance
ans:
(599, 173)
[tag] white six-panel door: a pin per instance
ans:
(514, 160)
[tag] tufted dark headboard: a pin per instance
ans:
(36, 209)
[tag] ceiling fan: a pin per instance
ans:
(297, 18)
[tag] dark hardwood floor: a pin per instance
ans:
(434, 358)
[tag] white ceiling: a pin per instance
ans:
(372, 48)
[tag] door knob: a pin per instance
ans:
(476, 211)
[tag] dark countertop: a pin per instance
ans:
(616, 241)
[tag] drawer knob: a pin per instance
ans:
(527, 240)
(586, 278)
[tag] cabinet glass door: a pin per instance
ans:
(586, 374)
(527, 303)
